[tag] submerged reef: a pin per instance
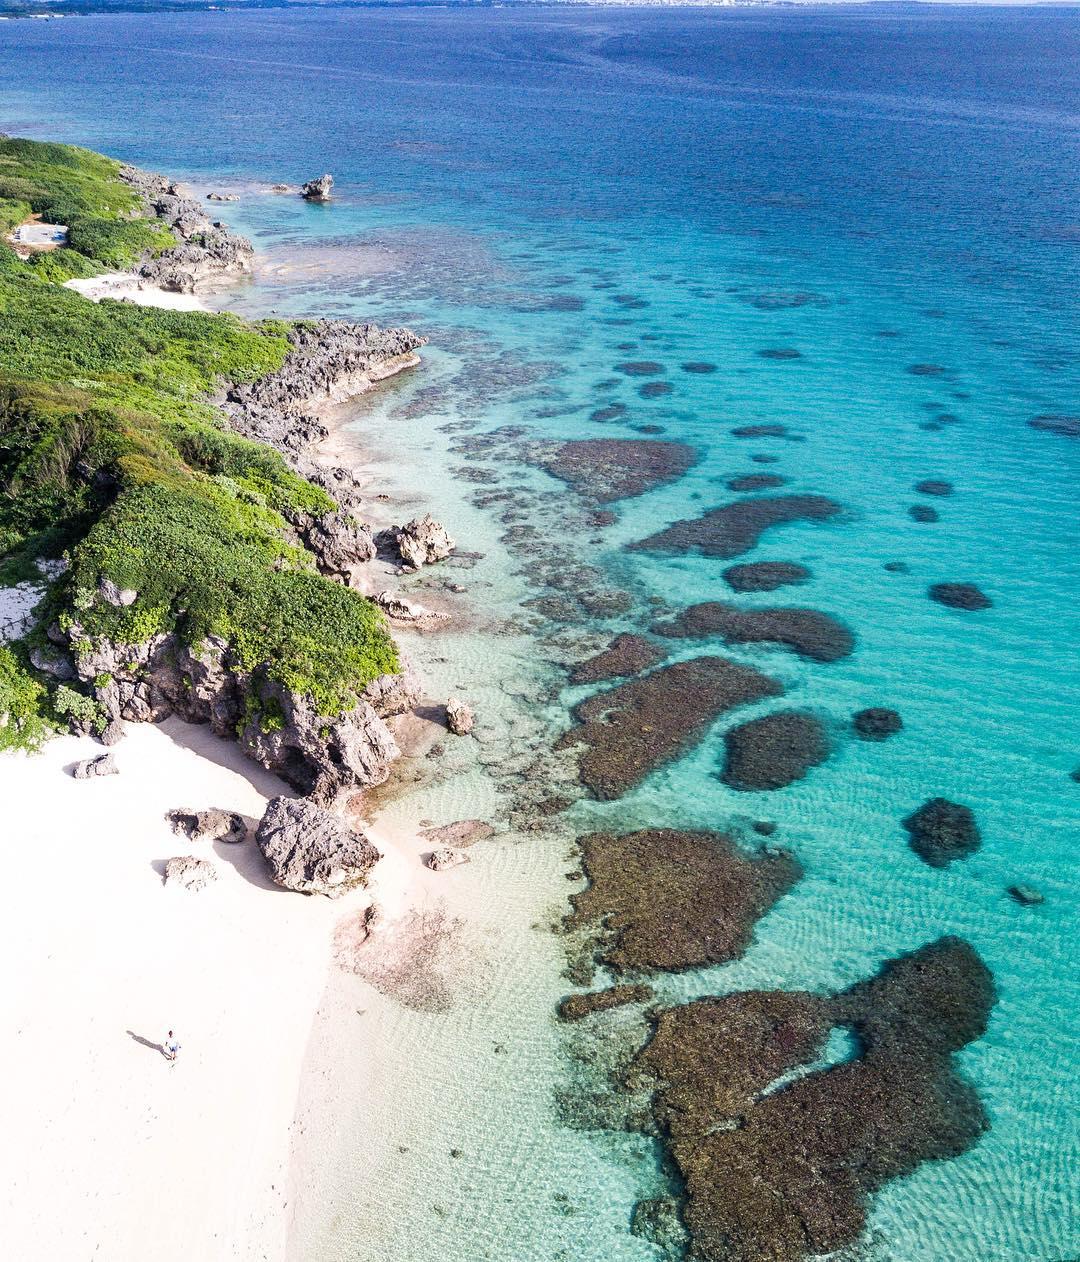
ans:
(959, 596)
(876, 723)
(940, 832)
(764, 576)
(755, 482)
(608, 469)
(627, 654)
(808, 632)
(780, 1144)
(641, 725)
(665, 900)
(577, 1007)
(733, 529)
(774, 750)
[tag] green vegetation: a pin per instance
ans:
(24, 703)
(110, 453)
(65, 185)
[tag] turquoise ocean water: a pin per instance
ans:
(547, 193)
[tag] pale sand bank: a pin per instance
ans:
(123, 287)
(109, 1152)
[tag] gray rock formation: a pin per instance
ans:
(399, 609)
(52, 662)
(318, 190)
(213, 824)
(446, 857)
(1026, 895)
(112, 594)
(189, 873)
(312, 850)
(222, 197)
(90, 768)
(113, 733)
(205, 250)
(460, 718)
(421, 541)
(316, 754)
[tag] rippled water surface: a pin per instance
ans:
(890, 199)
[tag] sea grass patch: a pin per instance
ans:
(1056, 423)
(780, 1158)
(808, 632)
(665, 900)
(765, 576)
(735, 528)
(640, 368)
(780, 353)
(923, 513)
(608, 469)
(699, 367)
(639, 726)
(655, 389)
(627, 654)
(934, 486)
(773, 751)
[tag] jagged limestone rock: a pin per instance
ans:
(312, 850)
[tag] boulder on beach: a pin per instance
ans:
(399, 609)
(212, 824)
(312, 850)
(460, 717)
(317, 190)
(90, 768)
(189, 873)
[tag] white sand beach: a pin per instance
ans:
(124, 287)
(103, 960)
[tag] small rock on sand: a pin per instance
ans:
(89, 768)
(189, 873)
(446, 857)
(460, 718)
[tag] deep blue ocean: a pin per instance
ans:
(548, 192)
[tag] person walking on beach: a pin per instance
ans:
(170, 1049)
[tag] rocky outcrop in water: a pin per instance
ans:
(607, 469)
(577, 1007)
(311, 850)
(319, 189)
(460, 718)
(422, 541)
(446, 857)
(206, 251)
(808, 632)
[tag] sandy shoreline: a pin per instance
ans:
(201, 1159)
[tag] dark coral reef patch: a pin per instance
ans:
(645, 723)
(773, 751)
(765, 576)
(780, 1156)
(756, 482)
(771, 429)
(934, 486)
(627, 654)
(665, 900)
(607, 469)
(922, 513)
(808, 632)
(640, 368)
(735, 528)
(877, 723)
(940, 832)
(960, 596)
(577, 1007)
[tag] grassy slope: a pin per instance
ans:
(109, 453)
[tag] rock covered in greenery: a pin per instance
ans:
(312, 850)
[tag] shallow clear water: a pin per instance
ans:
(548, 194)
